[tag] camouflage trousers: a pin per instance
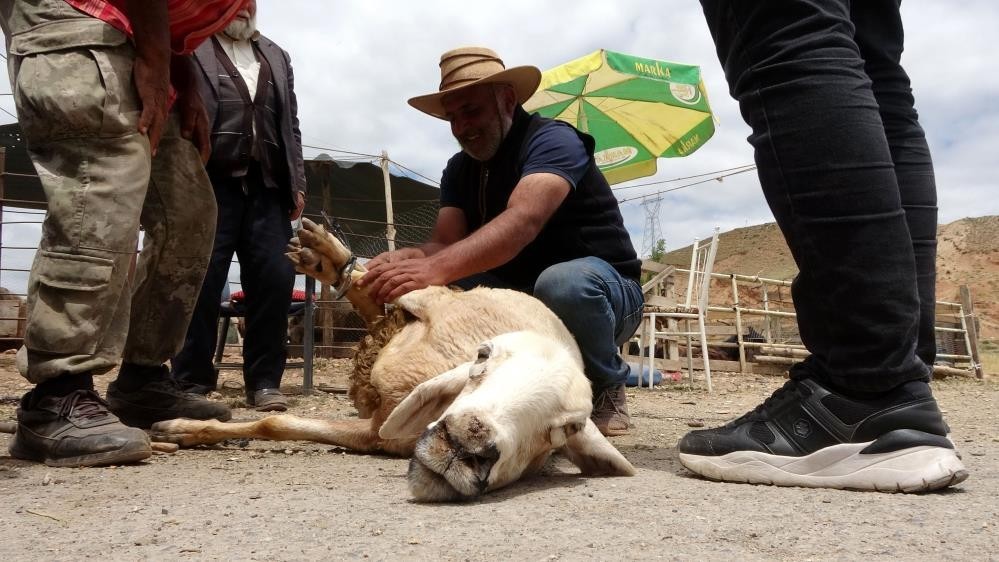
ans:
(87, 308)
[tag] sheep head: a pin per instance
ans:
(522, 397)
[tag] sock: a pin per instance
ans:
(132, 377)
(64, 384)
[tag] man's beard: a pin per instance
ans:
(488, 142)
(240, 29)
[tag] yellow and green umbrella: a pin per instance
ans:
(636, 109)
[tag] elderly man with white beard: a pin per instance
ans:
(258, 174)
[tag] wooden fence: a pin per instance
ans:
(742, 304)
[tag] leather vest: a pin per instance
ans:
(234, 145)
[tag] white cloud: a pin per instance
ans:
(357, 68)
(357, 62)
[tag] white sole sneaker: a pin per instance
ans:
(844, 466)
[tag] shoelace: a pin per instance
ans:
(83, 404)
(789, 387)
(606, 396)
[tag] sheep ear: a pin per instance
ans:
(425, 404)
(588, 449)
(419, 303)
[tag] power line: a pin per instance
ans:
(414, 172)
(716, 178)
(327, 149)
(660, 182)
(373, 157)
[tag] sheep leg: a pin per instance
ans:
(358, 435)
(319, 254)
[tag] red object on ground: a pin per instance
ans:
(296, 296)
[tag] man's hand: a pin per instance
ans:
(299, 206)
(152, 83)
(387, 281)
(151, 69)
(194, 124)
(394, 256)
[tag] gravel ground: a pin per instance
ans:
(259, 500)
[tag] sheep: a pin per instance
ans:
(478, 387)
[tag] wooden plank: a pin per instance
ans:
(9, 313)
(942, 371)
(656, 300)
(654, 266)
(324, 318)
(738, 325)
(709, 330)
(776, 359)
(784, 351)
(657, 278)
(972, 329)
(752, 368)
(681, 364)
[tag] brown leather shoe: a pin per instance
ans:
(75, 430)
(268, 400)
(610, 411)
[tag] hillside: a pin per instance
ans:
(967, 254)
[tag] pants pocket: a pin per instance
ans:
(634, 306)
(72, 305)
(76, 93)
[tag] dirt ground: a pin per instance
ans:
(300, 501)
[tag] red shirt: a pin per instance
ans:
(191, 21)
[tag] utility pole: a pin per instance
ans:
(389, 214)
(653, 231)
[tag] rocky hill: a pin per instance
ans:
(967, 254)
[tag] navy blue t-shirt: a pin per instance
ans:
(554, 149)
(587, 223)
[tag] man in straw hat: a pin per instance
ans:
(523, 206)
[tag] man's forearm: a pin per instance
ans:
(431, 248)
(182, 72)
(150, 28)
(496, 243)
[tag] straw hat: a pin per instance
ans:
(468, 66)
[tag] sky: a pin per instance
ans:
(357, 62)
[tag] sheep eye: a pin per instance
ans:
(485, 350)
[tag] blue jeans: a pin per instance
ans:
(600, 308)
(846, 170)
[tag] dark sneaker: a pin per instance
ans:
(162, 400)
(75, 430)
(268, 400)
(808, 435)
(195, 388)
(610, 411)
